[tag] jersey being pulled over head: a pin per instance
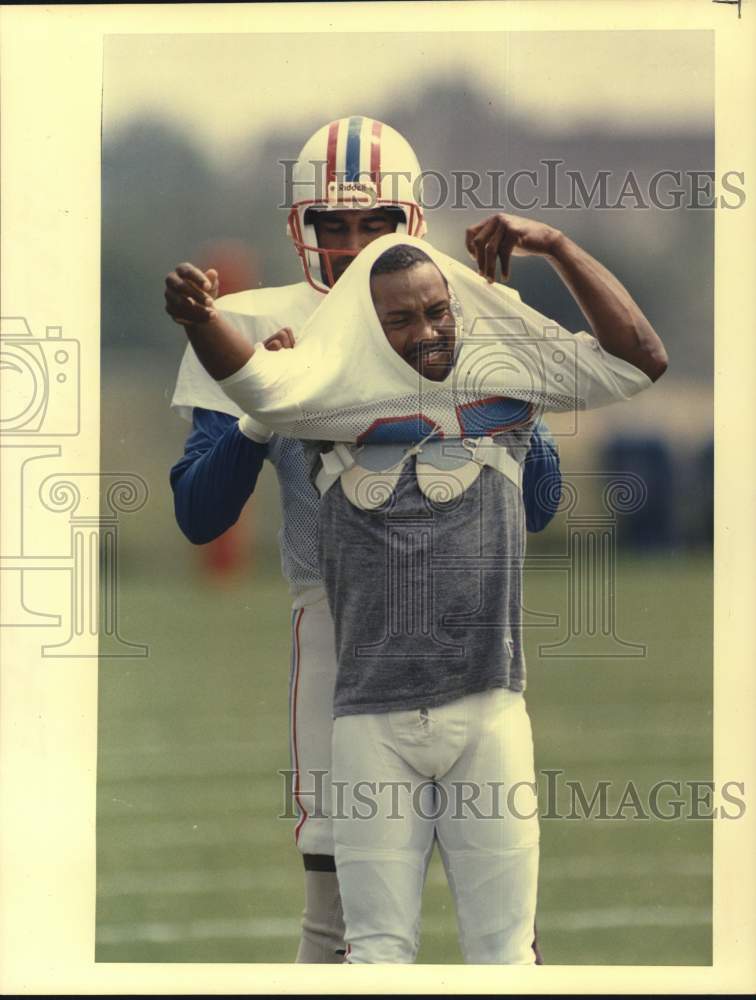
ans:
(344, 381)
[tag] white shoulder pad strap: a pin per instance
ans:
(485, 451)
(332, 465)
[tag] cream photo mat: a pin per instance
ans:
(51, 112)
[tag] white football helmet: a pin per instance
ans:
(353, 163)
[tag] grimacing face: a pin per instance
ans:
(350, 231)
(414, 309)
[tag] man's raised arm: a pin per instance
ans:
(615, 318)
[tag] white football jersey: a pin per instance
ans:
(258, 314)
(344, 382)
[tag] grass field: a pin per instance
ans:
(194, 865)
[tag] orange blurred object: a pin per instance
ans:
(237, 264)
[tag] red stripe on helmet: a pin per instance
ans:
(333, 135)
(375, 154)
(295, 693)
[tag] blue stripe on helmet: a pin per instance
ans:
(353, 149)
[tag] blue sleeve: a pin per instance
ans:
(215, 477)
(541, 480)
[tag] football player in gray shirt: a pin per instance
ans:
(431, 738)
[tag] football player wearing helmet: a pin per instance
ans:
(355, 163)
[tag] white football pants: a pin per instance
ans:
(462, 775)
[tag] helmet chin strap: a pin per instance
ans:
(326, 258)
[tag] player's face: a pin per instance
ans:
(415, 313)
(350, 231)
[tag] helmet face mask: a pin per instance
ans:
(356, 164)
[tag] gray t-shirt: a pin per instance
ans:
(426, 597)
